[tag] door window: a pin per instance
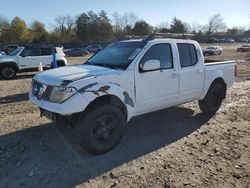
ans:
(31, 52)
(187, 54)
(161, 52)
(46, 51)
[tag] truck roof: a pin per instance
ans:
(160, 40)
(176, 37)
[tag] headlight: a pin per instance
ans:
(61, 94)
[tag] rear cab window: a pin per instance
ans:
(187, 54)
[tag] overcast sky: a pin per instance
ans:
(234, 12)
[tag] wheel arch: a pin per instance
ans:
(222, 82)
(10, 63)
(61, 62)
(215, 80)
(108, 99)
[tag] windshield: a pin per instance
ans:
(117, 55)
(15, 52)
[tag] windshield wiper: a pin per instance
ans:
(112, 66)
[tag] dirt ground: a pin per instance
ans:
(175, 147)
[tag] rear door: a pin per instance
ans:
(46, 57)
(29, 58)
(191, 72)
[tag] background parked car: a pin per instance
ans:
(243, 40)
(213, 40)
(229, 40)
(221, 40)
(28, 58)
(212, 50)
(94, 48)
(76, 52)
(244, 48)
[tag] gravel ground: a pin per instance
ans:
(175, 147)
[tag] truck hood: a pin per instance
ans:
(66, 75)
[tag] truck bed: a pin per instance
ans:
(219, 69)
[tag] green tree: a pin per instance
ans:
(177, 26)
(18, 32)
(141, 28)
(104, 30)
(91, 27)
(82, 27)
(38, 32)
(4, 29)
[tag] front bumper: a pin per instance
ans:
(75, 104)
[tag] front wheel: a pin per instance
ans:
(8, 72)
(100, 129)
(212, 102)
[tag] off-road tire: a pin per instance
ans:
(100, 129)
(212, 102)
(7, 72)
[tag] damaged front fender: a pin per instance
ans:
(94, 90)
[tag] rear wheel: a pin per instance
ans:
(8, 72)
(212, 102)
(100, 129)
(61, 63)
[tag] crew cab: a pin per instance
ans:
(28, 59)
(126, 79)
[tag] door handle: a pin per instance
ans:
(173, 75)
(199, 71)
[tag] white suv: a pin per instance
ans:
(28, 59)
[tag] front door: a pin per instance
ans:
(29, 58)
(157, 89)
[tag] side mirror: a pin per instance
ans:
(151, 65)
(22, 55)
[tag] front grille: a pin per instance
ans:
(41, 91)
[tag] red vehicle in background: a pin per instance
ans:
(244, 48)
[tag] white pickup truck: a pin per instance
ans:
(127, 79)
(28, 58)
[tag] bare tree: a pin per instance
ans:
(123, 22)
(163, 25)
(196, 27)
(215, 23)
(117, 22)
(249, 22)
(64, 25)
(129, 19)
